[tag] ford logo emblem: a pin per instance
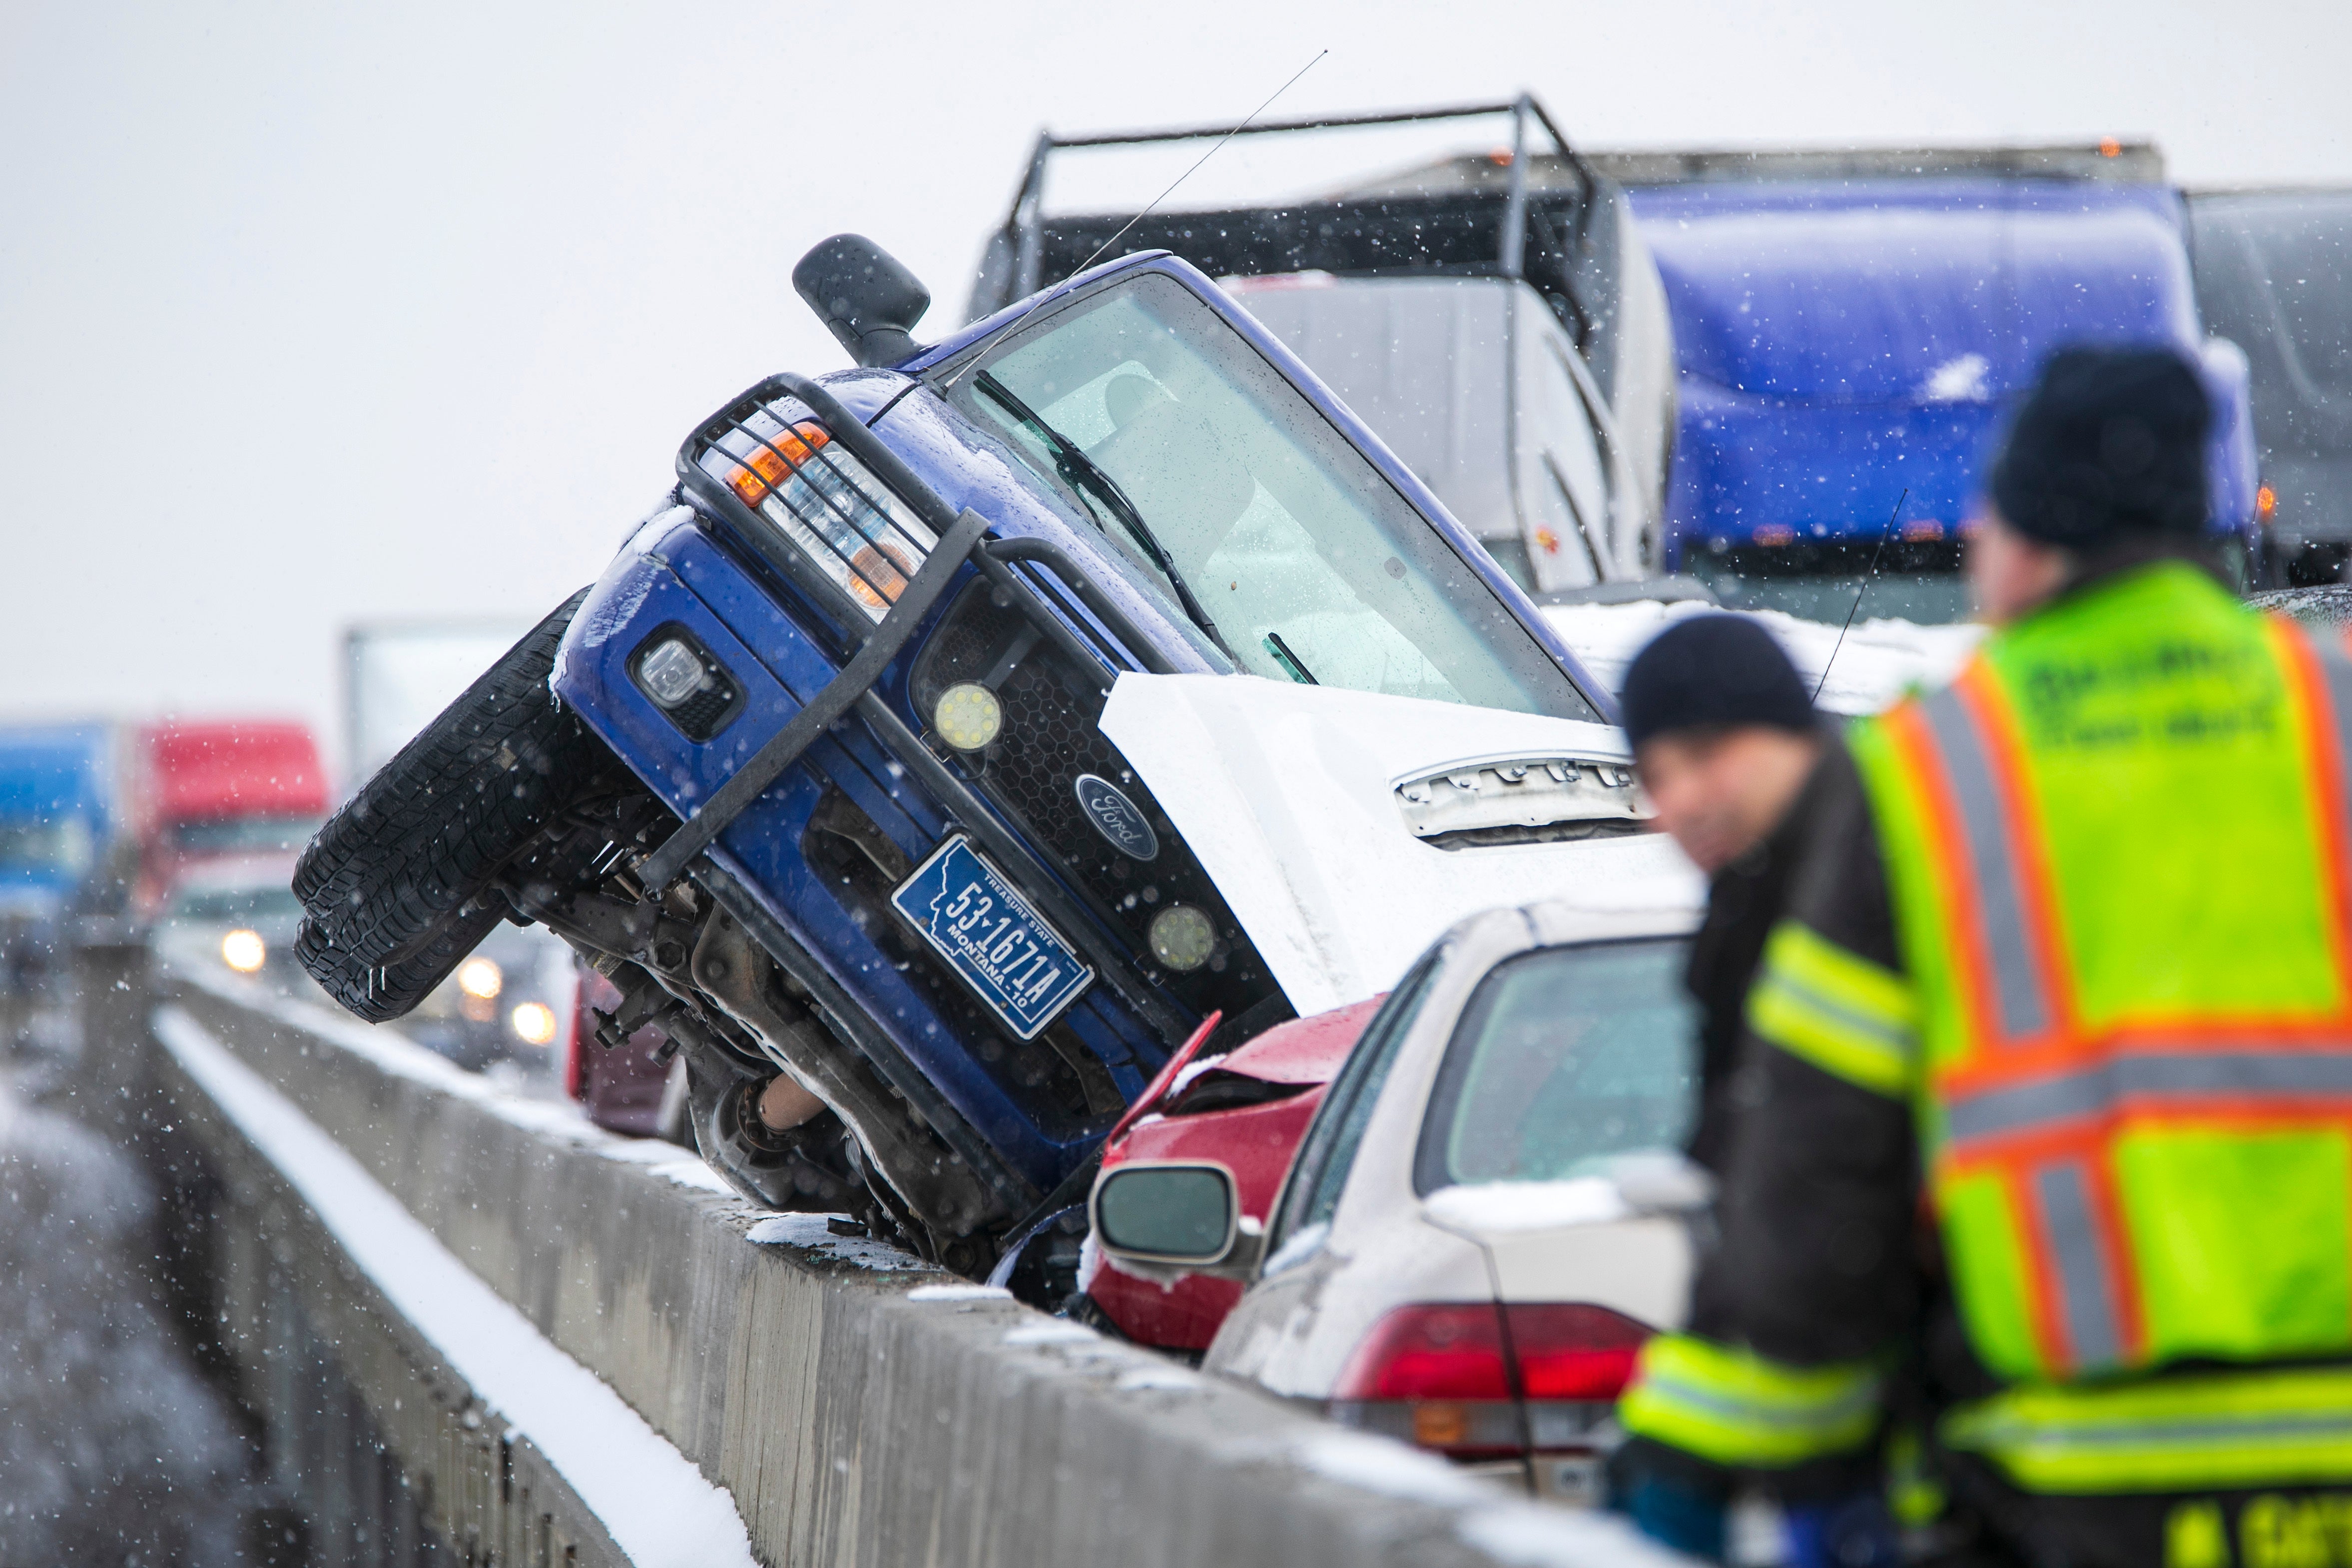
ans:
(1116, 818)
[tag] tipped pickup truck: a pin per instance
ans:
(816, 773)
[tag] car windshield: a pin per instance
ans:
(1904, 582)
(1246, 508)
(244, 835)
(1564, 1057)
(241, 904)
(55, 846)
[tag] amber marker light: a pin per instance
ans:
(2266, 506)
(771, 466)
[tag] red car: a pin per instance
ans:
(1247, 1111)
(627, 1088)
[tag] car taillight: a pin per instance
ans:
(1434, 1375)
(826, 502)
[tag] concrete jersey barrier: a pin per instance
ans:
(676, 1376)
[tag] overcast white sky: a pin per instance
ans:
(316, 314)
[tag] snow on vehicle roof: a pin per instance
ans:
(1286, 794)
(1881, 660)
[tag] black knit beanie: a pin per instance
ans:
(1712, 672)
(2110, 441)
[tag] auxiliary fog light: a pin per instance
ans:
(480, 977)
(534, 1023)
(673, 673)
(968, 715)
(1182, 937)
(244, 951)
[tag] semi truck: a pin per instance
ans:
(1462, 278)
(1853, 330)
(58, 815)
(2274, 275)
(204, 789)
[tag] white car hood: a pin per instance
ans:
(1284, 791)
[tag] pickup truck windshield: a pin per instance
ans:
(1139, 398)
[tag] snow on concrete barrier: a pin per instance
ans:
(685, 1378)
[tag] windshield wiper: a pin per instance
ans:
(1082, 472)
(1292, 665)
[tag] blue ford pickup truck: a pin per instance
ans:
(1855, 325)
(813, 773)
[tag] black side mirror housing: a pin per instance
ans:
(864, 296)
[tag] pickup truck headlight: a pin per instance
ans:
(827, 503)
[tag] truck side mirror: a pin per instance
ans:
(864, 296)
(1165, 1220)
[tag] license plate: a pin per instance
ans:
(1019, 965)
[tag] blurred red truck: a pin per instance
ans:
(205, 790)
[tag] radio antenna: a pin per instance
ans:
(1162, 196)
(1861, 589)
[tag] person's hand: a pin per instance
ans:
(1673, 1500)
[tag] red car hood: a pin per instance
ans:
(1267, 1092)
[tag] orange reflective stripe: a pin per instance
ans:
(2106, 1202)
(1907, 734)
(1986, 832)
(2321, 679)
(2040, 1268)
(2120, 1076)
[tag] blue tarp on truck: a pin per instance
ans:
(1842, 341)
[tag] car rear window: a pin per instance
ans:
(1563, 1057)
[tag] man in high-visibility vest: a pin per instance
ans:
(2045, 1161)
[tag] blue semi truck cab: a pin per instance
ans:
(814, 772)
(59, 814)
(1853, 328)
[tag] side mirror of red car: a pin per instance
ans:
(1164, 1219)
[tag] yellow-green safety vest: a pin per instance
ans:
(2116, 852)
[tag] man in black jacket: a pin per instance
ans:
(1733, 756)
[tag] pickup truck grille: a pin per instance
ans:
(1031, 770)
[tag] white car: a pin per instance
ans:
(1487, 1215)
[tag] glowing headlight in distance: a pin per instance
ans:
(968, 715)
(673, 673)
(533, 1022)
(480, 977)
(1182, 937)
(244, 951)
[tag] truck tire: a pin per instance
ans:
(390, 885)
